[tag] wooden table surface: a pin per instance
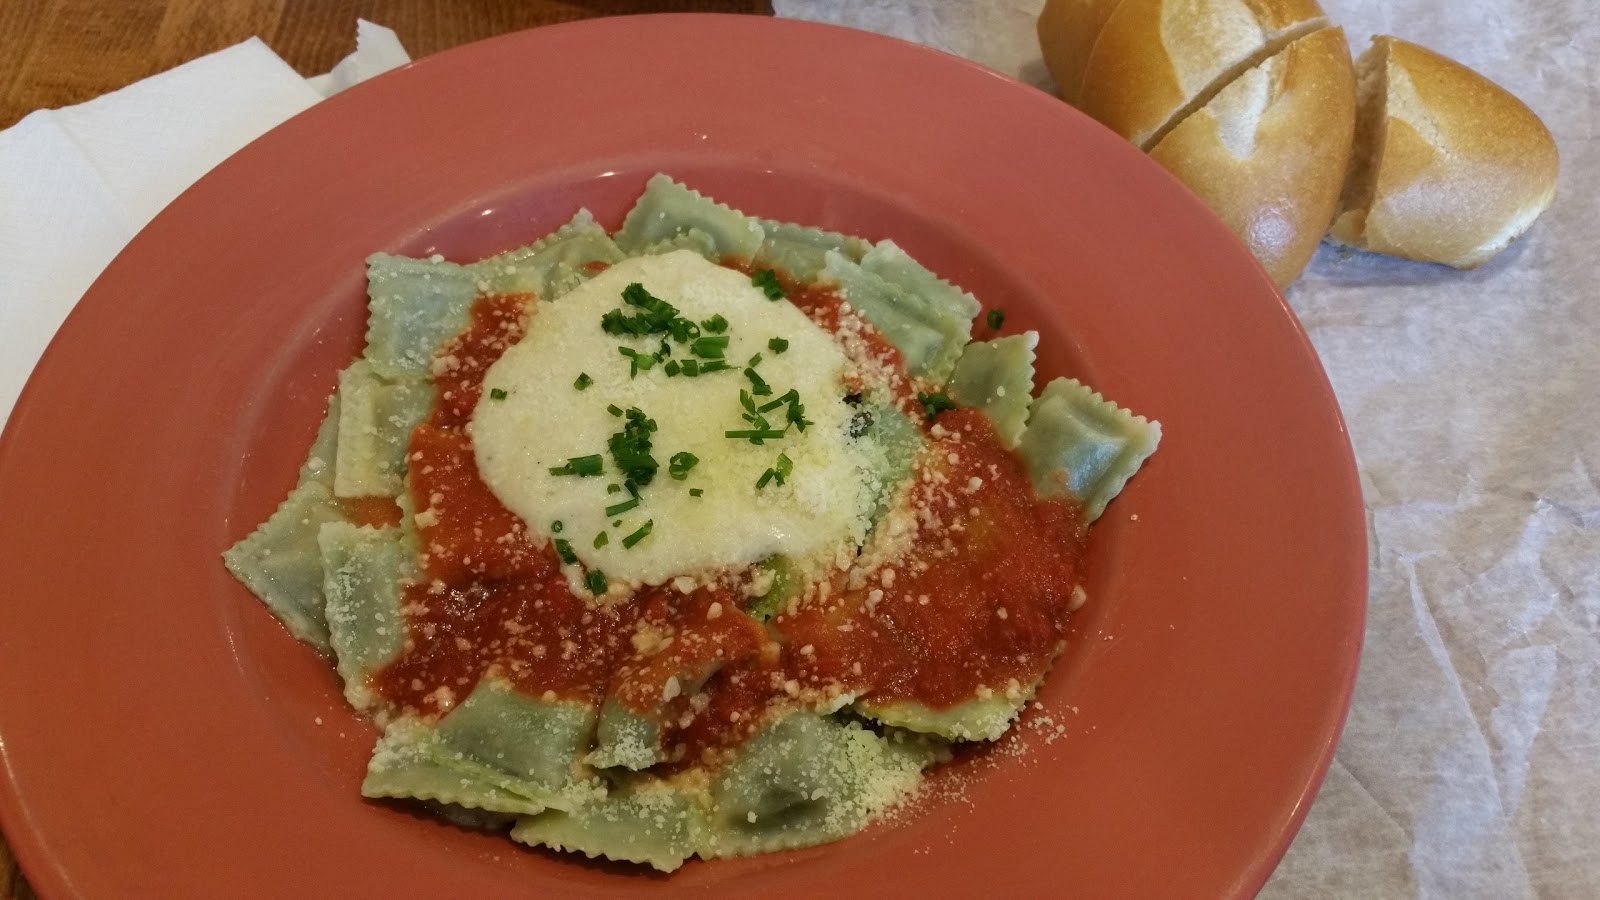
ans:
(59, 52)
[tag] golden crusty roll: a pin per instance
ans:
(1449, 167)
(1067, 32)
(1153, 60)
(1269, 152)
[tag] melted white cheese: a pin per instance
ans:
(543, 420)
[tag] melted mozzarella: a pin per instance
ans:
(543, 420)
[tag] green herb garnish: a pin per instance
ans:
(630, 448)
(638, 535)
(790, 397)
(638, 362)
(767, 280)
(582, 466)
(755, 435)
(496, 394)
(716, 324)
(933, 404)
(758, 385)
(564, 550)
(709, 347)
(779, 472)
(996, 318)
(777, 345)
(601, 539)
(680, 464)
(583, 381)
(620, 508)
(595, 581)
(695, 492)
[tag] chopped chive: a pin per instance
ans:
(556, 526)
(624, 506)
(716, 324)
(709, 347)
(747, 401)
(714, 365)
(797, 413)
(671, 368)
(758, 385)
(777, 345)
(996, 318)
(613, 488)
(601, 539)
(564, 550)
(680, 464)
(639, 535)
(616, 523)
(790, 397)
(637, 362)
(779, 472)
(630, 448)
(695, 492)
(767, 280)
(583, 381)
(496, 394)
(595, 581)
(615, 410)
(682, 330)
(582, 466)
(933, 404)
(755, 434)
(754, 361)
(658, 316)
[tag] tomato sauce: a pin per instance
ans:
(973, 607)
(968, 609)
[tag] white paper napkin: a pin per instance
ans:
(76, 184)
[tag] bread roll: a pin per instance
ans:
(1449, 167)
(1067, 32)
(1154, 60)
(1269, 152)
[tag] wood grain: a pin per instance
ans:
(58, 52)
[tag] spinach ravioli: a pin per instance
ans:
(703, 538)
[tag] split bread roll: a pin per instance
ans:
(1449, 166)
(1269, 152)
(1067, 32)
(1146, 63)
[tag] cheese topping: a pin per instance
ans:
(533, 417)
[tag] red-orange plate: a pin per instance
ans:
(162, 736)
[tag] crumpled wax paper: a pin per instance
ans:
(1470, 764)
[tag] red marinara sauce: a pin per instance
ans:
(980, 599)
(965, 608)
